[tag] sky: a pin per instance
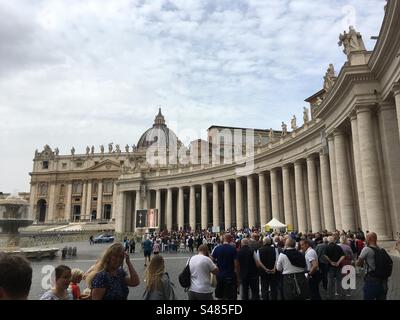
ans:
(91, 72)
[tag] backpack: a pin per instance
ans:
(185, 277)
(383, 264)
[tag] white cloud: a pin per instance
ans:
(88, 72)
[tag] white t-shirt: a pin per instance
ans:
(311, 255)
(200, 268)
(283, 264)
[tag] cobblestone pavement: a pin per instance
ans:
(175, 262)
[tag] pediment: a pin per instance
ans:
(106, 165)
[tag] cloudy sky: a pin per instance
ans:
(90, 72)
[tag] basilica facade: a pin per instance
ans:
(336, 170)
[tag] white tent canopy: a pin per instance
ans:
(275, 224)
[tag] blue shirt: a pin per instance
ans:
(116, 289)
(225, 255)
(147, 245)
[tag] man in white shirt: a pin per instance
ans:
(292, 264)
(201, 266)
(313, 275)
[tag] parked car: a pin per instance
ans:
(104, 238)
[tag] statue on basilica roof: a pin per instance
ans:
(330, 78)
(127, 148)
(73, 151)
(306, 118)
(294, 123)
(87, 150)
(351, 41)
(56, 151)
(284, 129)
(110, 147)
(92, 150)
(102, 149)
(117, 148)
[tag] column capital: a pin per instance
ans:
(286, 166)
(311, 157)
(360, 108)
(396, 88)
(299, 162)
(386, 105)
(338, 132)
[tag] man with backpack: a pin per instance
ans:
(379, 269)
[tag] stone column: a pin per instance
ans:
(274, 194)
(181, 214)
(263, 199)
(316, 225)
(215, 205)
(158, 206)
(204, 207)
(169, 209)
(227, 205)
(138, 205)
(52, 202)
(68, 203)
(192, 208)
(391, 156)
(327, 199)
(120, 215)
(148, 199)
(83, 200)
(359, 178)
(89, 201)
(300, 203)
(287, 199)
(396, 93)
(114, 208)
(99, 211)
(344, 182)
(128, 211)
(370, 173)
(239, 204)
(335, 190)
(250, 201)
(32, 201)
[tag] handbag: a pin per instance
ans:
(185, 277)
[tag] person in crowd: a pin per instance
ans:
(190, 244)
(156, 248)
(62, 281)
(158, 284)
(76, 278)
(147, 249)
(267, 257)
(15, 277)
(201, 266)
(132, 245)
(292, 264)
(249, 277)
(228, 277)
(279, 248)
(108, 280)
(322, 262)
(334, 256)
(312, 267)
(379, 267)
(91, 240)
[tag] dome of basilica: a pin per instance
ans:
(159, 136)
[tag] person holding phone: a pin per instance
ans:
(108, 280)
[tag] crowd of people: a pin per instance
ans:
(245, 263)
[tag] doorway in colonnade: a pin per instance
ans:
(76, 213)
(107, 211)
(42, 208)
